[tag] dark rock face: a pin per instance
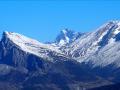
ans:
(67, 75)
(108, 87)
(12, 55)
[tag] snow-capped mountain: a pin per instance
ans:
(98, 46)
(28, 64)
(73, 61)
(20, 51)
(67, 36)
(30, 45)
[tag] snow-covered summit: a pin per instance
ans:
(30, 45)
(108, 32)
(98, 46)
(67, 36)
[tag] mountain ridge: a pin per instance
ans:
(78, 46)
(83, 61)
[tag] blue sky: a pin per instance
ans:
(43, 20)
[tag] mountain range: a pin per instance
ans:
(73, 61)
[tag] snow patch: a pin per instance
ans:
(62, 42)
(64, 31)
(117, 31)
(112, 40)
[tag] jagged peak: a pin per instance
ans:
(114, 21)
(66, 36)
(66, 30)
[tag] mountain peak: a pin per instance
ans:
(67, 36)
(66, 30)
(5, 33)
(12, 35)
(114, 21)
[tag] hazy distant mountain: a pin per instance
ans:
(74, 61)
